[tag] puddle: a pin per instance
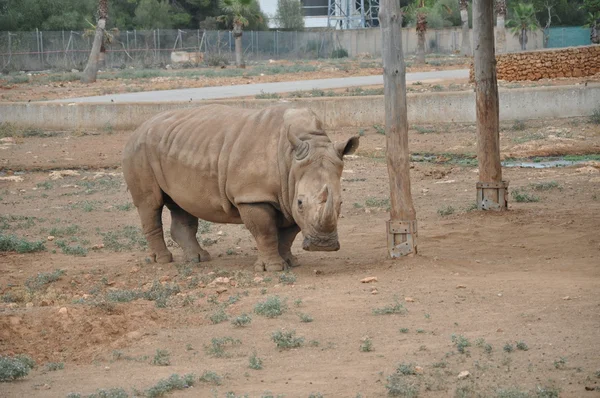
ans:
(543, 164)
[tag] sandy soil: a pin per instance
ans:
(530, 274)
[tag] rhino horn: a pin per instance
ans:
(328, 219)
(299, 146)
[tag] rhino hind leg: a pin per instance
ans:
(150, 216)
(184, 227)
(261, 221)
(286, 239)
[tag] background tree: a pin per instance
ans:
(523, 20)
(593, 22)
(500, 6)
(290, 15)
(464, 17)
(91, 70)
(239, 13)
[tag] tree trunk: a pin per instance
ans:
(239, 51)
(594, 36)
(421, 29)
(401, 231)
(524, 39)
(487, 105)
(464, 17)
(91, 69)
(500, 25)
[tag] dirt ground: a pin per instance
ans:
(52, 85)
(528, 275)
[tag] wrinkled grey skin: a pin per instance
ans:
(274, 170)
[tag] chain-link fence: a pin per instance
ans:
(154, 48)
(29, 51)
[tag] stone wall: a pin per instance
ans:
(547, 64)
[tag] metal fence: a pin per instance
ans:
(153, 48)
(568, 37)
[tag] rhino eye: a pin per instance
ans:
(300, 203)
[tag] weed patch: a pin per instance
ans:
(210, 377)
(545, 186)
(254, 362)
(219, 316)
(43, 278)
(54, 366)
(287, 278)
(287, 340)
(523, 197)
(161, 358)
(76, 250)
(305, 318)
(12, 243)
(399, 386)
(13, 368)
(242, 320)
(126, 239)
(461, 343)
(174, 382)
(396, 308)
(272, 307)
(445, 211)
(366, 345)
(217, 346)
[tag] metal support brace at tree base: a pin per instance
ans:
(401, 238)
(492, 195)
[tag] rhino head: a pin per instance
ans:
(316, 172)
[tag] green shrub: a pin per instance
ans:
(13, 368)
(287, 340)
(272, 307)
(12, 243)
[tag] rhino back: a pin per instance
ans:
(209, 159)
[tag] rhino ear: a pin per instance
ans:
(300, 147)
(347, 147)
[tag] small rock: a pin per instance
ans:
(419, 369)
(29, 305)
(369, 279)
(461, 287)
(107, 368)
(258, 279)
(44, 303)
(318, 272)
(50, 238)
(165, 278)
(134, 270)
(463, 375)
(98, 246)
(12, 179)
(59, 174)
(63, 311)
(220, 233)
(221, 290)
(499, 294)
(409, 299)
(566, 298)
(374, 291)
(499, 330)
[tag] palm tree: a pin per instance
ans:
(237, 15)
(593, 22)
(421, 30)
(464, 17)
(523, 20)
(501, 29)
(91, 70)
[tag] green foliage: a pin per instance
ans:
(305, 318)
(287, 340)
(264, 95)
(399, 386)
(445, 211)
(241, 320)
(13, 368)
(43, 278)
(255, 362)
(521, 345)
(290, 15)
(406, 369)
(523, 20)
(211, 378)
(508, 347)
(174, 382)
(460, 342)
(217, 346)
(75, 250)
(161, 358)
(366, 345)
(272, 307)
(54, 366)
(287, 278)
(102, 393)
(12, 243)
(339, 53)
(396, 308)
(219, 316)
(545, 186)
(128, 238)
(523, 197)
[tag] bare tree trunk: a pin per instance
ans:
(91, 70)
(500, 25)
(594, 36)
(490, 186)
(464, 17)
(421, 29)
(239, 51)
(402, 227)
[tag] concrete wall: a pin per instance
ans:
(527, 103)
(440, 40)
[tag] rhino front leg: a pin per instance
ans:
(286, 239)
(183, 230)
(261, 221)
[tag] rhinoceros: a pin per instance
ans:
(272, 169)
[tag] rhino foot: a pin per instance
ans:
(292, 261)
(200, 257)
(162, 258)
(270, 266)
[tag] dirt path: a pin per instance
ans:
(530, 275)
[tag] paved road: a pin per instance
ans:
(254, 89)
